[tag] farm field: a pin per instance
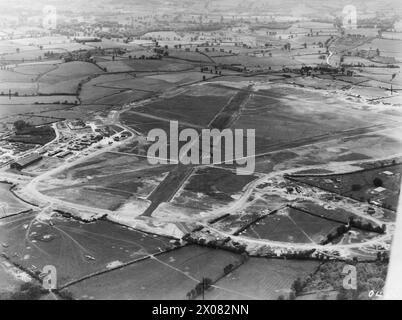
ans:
(30, 100)
(173, 275)
(191, 56)
(114, 66)
(28, 109)
(23, 88)
(164, 65)
(123, 97)
(9, 204)
(122, 88)
(36, 69)
(188, 108)
(144, 123)
(76, 249)
(387, 47)
(275, 62)
(260, 278)
(49, 78)
(10, 278)
(71, 70)
(291, 225)
(134, 82)
(182, 77)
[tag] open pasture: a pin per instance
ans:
(35, 69)
(188, 108)
(141, 83)
(262, 279)
(173, 275)
(8, 75)
(275, 62)
(10, 279)
(123, 97)
(191, 56)
(76, 249)
(9, 204)
(115, 66)
(151, 65)
(71, 70)
(23, 88)
(31, 100)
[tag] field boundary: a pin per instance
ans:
(123, 265)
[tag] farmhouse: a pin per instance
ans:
(24, 162)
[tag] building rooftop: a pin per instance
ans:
(28, 159)
(379, 189)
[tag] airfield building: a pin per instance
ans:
(25, 162)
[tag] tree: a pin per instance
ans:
(377, 182)
(356, 187)
(20, 125)
(28, 291)
(66, 295)
(297, 286)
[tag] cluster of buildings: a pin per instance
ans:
(68, 144)
(84, 142)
